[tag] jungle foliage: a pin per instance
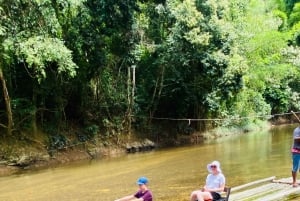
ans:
(114, 66)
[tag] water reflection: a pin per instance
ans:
(173, 173)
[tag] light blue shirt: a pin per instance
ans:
(296, 137)
(215, 181)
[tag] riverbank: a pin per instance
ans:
(22, 154)
(19, 155)
(41, 159)
(31, 154)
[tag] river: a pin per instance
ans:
(173, 172)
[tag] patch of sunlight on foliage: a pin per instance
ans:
(251, 126)
(292, 55)
(2, 31)
(187, 15)
(40, 52)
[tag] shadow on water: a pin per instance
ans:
(173, 172)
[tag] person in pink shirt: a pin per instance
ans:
(143, 194)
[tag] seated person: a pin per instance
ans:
(215, 184)
(143, 194)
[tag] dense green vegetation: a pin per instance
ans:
(110, 67)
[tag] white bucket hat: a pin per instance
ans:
(217, 164)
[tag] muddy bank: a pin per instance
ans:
(7, 170)
(38, 160)
(34, 157)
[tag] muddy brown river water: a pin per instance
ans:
(173, 172)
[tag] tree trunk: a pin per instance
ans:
(10, 123)
(157, 92)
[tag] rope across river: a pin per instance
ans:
(225, 119)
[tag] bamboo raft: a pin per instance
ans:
(268, 189)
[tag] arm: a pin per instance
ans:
(131, 198)
(126, 198)
(220, 189)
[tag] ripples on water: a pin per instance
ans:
(173, 172)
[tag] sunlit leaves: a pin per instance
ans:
(265, 48)
(232, 80)
(250, 102)
(2, 31)
(41, 52)
(2, 28)
(186, 13)
(283, 17)
(292, 54)
(70, 8)
(237, 9)
(188, 20)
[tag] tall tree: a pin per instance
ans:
(101, 38)
(33, 42)
(187, 54)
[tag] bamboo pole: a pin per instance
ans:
(295, 116)
(252, 183)
(279, 195)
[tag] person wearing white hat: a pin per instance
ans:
(214, 185)
(143, 194)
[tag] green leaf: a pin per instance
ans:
(38, 52)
